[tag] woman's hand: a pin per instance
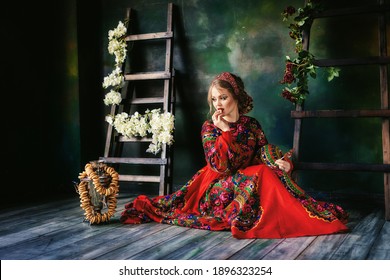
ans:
(283, 165)
(219, 121)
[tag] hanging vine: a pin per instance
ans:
(299, 69)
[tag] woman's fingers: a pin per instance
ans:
(283, 165)
(217, 116)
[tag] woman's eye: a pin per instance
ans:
(224, 97)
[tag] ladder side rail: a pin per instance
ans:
(109, 134)
(384, 88)
(298, 108)
(167, 94)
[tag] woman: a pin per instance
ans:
(246, 185)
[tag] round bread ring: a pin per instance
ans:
(110, 193)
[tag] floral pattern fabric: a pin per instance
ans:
(237, 191)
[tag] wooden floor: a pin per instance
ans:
(56, 230)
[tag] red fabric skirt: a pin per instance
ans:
(256, 202)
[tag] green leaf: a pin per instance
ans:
(332, 73)
(310, 67)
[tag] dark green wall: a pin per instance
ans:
(249, 38)
(245, 37)
(56, 56)
(41, 152)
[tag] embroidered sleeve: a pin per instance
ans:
(219, 148)
(226, 152)
(261, 140)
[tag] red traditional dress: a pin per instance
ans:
(238, 190)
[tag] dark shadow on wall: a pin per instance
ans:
(186, 87)
(38, 167)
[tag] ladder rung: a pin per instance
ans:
(150, 36)
(139, 178)
(148, 76)
(148, 100)
(340, 113)
(342, 166)
(366, 9)
(352, 61)
(156, 161)
(134, 139)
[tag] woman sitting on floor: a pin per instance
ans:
(246, 185)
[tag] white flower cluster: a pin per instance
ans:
(155, 123)
(114, 79)
(117, 44)
(112, 97)
(159, 125)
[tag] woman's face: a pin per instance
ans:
(223, 100)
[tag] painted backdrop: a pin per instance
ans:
(250, 39)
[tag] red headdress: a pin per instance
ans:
(227, 77)
(245, 101)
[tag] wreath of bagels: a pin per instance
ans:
(110, 193)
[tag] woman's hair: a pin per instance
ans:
(236, 87)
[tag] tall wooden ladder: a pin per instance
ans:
(151, 90)
(382, 60)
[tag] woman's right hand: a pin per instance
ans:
(219, 121)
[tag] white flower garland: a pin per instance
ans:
(159, 124)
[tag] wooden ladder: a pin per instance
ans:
(115, 148)
(382, 60)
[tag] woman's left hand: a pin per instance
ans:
(283, 165)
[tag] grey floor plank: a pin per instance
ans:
(127, 235)
(136, 244)
(224, 249)
(381, 248)
(189, 238)
(57, 231)
(322, 247)
(37, 215)
(91, 247)
(289, 248)
(256, 250)
(35, 231)
(191, 249)
(358, 243)
(51, 242)
(37, 208)
(46, 229)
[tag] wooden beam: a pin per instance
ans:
(366, 9)
(148, 76)
(134, 139)
(385, 113)
(342, 166)
(139, 178)
(352, 61)
(124, 160)
(149, 36)
(145, 100)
